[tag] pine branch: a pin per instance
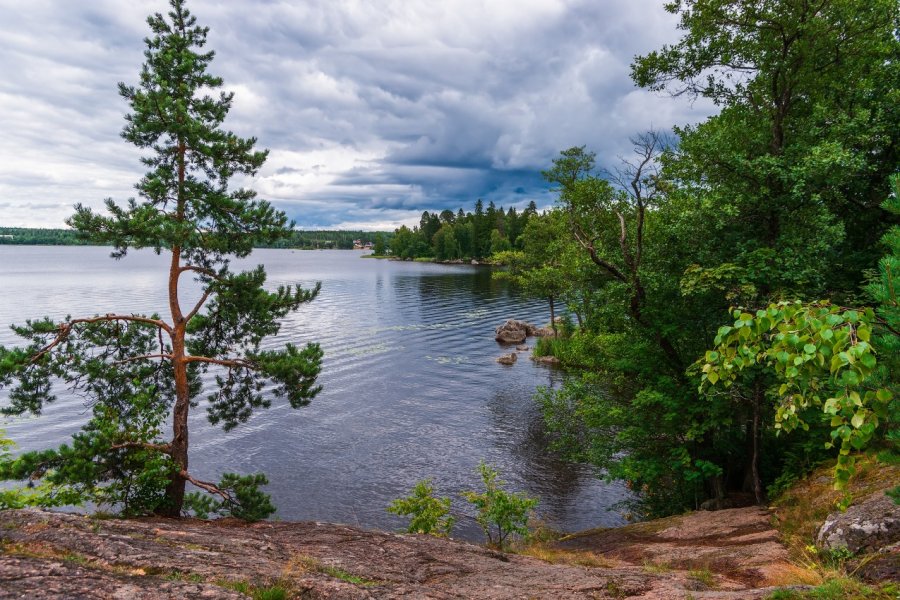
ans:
(66, 328)
(207, 487)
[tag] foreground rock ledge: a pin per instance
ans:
(54, 556)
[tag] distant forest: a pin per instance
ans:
(341, 240)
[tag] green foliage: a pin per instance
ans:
(822, 356)
(500, 513)
(240, 496)
(429, 514)
(774, 198)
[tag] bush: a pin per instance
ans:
(430, 515)
(500, 513)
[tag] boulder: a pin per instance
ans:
(510, 337)
(522, 347)
(865, 527)
(508, 359)
(543, 332)
(513, 332)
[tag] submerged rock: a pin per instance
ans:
(522, 348)
(508, 359)
(546, 360)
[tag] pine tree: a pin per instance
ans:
(138, 370)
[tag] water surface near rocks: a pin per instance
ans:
(411, 386)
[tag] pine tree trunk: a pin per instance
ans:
(179, 444)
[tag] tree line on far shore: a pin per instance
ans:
(461, 235)
(306, 240)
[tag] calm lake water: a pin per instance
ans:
(411, 386)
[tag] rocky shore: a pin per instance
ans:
(728, 554)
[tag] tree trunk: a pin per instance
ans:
(179, 444)
(553, 317)
(754, 464)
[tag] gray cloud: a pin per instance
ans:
(373, 111)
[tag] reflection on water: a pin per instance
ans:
(411, 388)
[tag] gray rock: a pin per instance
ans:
(522, 348)
(514, 332)
(508, 359)
(510, 337)
(865, 527)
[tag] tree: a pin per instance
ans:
(428, 514)
(137, 369)
(775, 198)
(539, 269)
(805, 140)
(380, 247)
(500, 513)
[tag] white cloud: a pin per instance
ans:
(373, 110)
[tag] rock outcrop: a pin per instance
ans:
(58, 556)
(865, 527)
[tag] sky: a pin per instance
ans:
(373, 110)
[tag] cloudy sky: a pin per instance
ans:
(373, 110)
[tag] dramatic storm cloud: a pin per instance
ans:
(373, 110)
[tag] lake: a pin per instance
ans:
(411, 386)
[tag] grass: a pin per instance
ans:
(703, 576)
(657, 568)
(274, 591)
(305, 563)
(801, 510)
(556, 556)
(840, 588)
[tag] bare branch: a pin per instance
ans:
(203, 271)
(198, 306)
(224, 362)
(207, 486)
(142, 357)
(164, 448)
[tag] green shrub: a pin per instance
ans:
(430, 515)
(500, 513)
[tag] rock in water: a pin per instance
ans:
(522, 348)
(510, 337)
(514, 332)
(508, 359)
